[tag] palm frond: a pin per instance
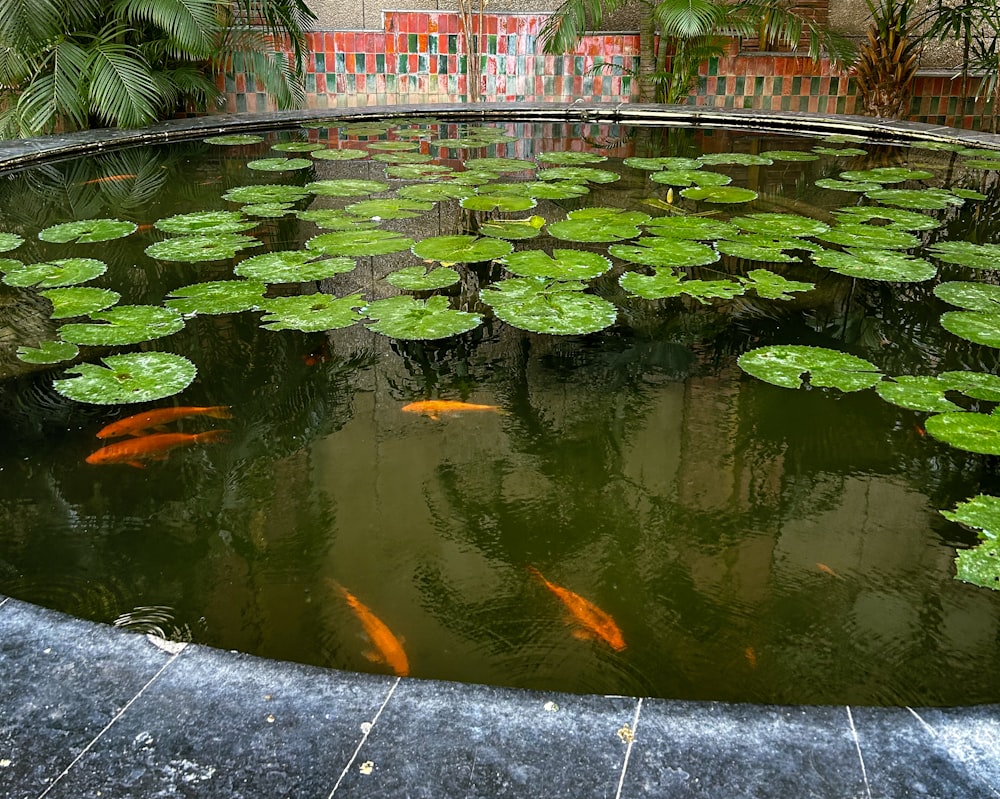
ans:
(563, 30)
(186, 84)
(54, 96)
(686, 19)
(122, 92)
(191, 25)
(253, 52)
(27, 26)
(280, 18)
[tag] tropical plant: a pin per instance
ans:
(690, 32)
(74, 64)
(472, 32)
(888, 58)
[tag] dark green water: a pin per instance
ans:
(753, 543)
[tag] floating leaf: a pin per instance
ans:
(571, 158)
(417, 278)
(266, 193)
(268, 210)
(556, 190)
(886, 174)
(461, 249)
(941, 146)
(971, 296)
(132, 377)
(392, 145)
(719, 194)
(500, 165)
(974, 326)
(359, 242)
(916, 393)
(922, 199)
(335, 219)
(389, 209)
(419, 171)
(977, 385)
(296, 147)
(205, 222)
(543, 306)
(124, 324)
(980, 565)
(79, 301)
(980, 163)
(755, 247)
(598, 225)
(346, 187)
(192, 249)
(234, 139)
(561, 265)
(10, 241)
(741, 159)
(844, 185)
(311, 312)
(690, 227)
(772, 286)
(981, 513)
(898, 218)
(787, 365)
(405, 317)
(969, 194)
(87, 231)
(434, 192)
(280, 164)
(344, 154)
(859, 234)
(292, 266)
(972, 432)
(577, 174)
(790, 155)
(689, 177)
(513, 229)
(876, 265)
(664, 162)
(839, 152)
(497, 202)
(48, 352)
(665, 251)
(217, 297)
(51, 274)
(965, 253)
(780, 225)
(665, 283)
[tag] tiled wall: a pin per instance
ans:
(421, 57)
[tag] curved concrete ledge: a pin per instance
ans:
(89, 710)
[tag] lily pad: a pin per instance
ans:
(790, 155)
(980, 565)
(205, 222)
(916, 199)
(598, 225)
(497, 202)
(974, 326)
(556, 190)
(845, 185)
(269, 210)
(292, 266)
(978, 385)
(132, 377)
(234, 139)
(971, 296)
(981, 513)
(886, 174)
(501, 165)
(859, 234)
(921, 393)
(311, 312)
(343, 154)
(405, 317)
(780, 225)
(79, 301)
(546, 306)
(419, 171)
(513, 229)
(51, 274)
(571, 158)
(392, 145)
(663, 162)
(417, 278)
(972, 432)
(10, 241)
(461, 249)
(665, 283)
(898, 218)
(740, 159)
(577, 174)
(280, 164)
(48, 352)
(193, 249)
(217, 297)
(756, 247)
(966, 253)
(690, 227)
(377, 210)
(665, 251)
(876, 265)
(296, 146)
(561, 265)
(690, 177)
(88, 231)
(789, 365)
(359, 242)
(335, 219)
(839, 152)
(266, 193)
(345, 187)
(772, 286)
(124, 324)
(434, 192)
(719, 194)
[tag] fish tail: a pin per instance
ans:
(212, 436)
(535, 573)
(219, 412)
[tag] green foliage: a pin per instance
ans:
(549, 306)
(133, 377)
(405, 317)
(311, 312)
(789, 365)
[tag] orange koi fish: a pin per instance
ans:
(827, 570)
(388, 649)
(140, 423)
(594, 622)
(434, 408)
(107, 179)
(751, 656)
(151, 448)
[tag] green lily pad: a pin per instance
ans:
(690, 227)
(417, 278)
(923, 393)
(876, 265)
(968, 194)
(577, 174)
(266, 193)
(10, 241)
(461, 249)
(982, 163)
(193, 249)
(344, 154)
(556, 190)
(839, 152)
(690, 177)
(972, 432)
(234, 139)
(497, 202)
(88, 231)
(974, 326)
(859, 234)
(980, 565)
(886, 174)
(392, 145)
(790, 155)
(786, 365)
(312, 313)
(279, 164)
(132, 377)
(981, 513)
(124, 324)
(434, 192)
(419, 171)
(51, 274)
(362, 129)
(269, 210)
(335, 219)
(965, 253)
(772, 286)
(719, 194)
(513, 229)
(971, 296)
(474, 178)
(598, 225)
(359, 242)
(345, 187)
(898, 218)
(665, 251)
(665, 283)
(561, 265)
(500, 165)
(977, 385)
(756, 247)
(405, 317)
(740, 159)
(79, 301)
(204, 223)
(780, 225)
(571, 158)
(845, 185)
(296, 147)
(48, 352)
(664, 162)
(217, 297)
(916, 199)
(940, 146)
(545, 306)
(377, 210)
(291, 266)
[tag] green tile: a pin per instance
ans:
(786, 103)
(797, 85)
(813, 87)
(359, 63)
(758, 85)
(432, 44)
(422, 63)
(578, 65)
(491, 44)
(403, 65)
(713, 67)
(463, 65)
(380, 63)
(834, 85)
(311, 82)
(321, 62)
(452, 43)
(443, 65)
(411, 43)
(339, 62)
(776, 83)
(740, 83)
(748, 102)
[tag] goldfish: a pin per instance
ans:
(594, 622)
(751, 656)
(138, 424)
(151, 448)
(108, 179)
(826, 570)
(388, 649)
(434, 408)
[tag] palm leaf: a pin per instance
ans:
(191, 25)
(252, 51)
(571, 20)
(686, 19)
(122, 91)
(27, 26)
(54, 95)
(281, 18)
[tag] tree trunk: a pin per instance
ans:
(647, 56)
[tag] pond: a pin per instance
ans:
(700, 414)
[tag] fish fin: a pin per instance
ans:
(583, 634)
(373, 656)
(213, 436)
(136, 464)
(221, 412)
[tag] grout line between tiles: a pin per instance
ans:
(364, 738)
(108, 726)
(628, 749)
(857, 745)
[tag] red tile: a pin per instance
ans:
(321, 83)
(432, 23)
(370, 67)
(389, 21)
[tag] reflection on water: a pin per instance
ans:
(751, 543)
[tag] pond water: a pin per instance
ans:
(719, 530)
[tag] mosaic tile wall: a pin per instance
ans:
(421, 57)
